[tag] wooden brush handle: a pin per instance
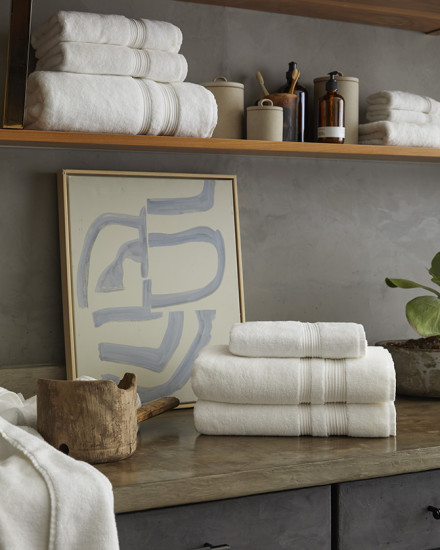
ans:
(295, 76)
(261, 83)
(158, 406)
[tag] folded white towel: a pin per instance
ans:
(118, 104)
(404, 134)
(52, 502)
(377, 113)
(296, 339)
(87, 58)
(405, 100)
(217, 375)
(75, 26)
(365, 420)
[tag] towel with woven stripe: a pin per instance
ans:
(297, 339)
(218, 375)
(355, 420)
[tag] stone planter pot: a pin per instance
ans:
(417, 370)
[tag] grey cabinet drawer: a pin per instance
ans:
(389, 513)
(299, 519)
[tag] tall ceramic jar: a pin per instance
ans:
(348, 88)
(230, 102)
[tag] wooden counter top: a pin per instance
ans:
(174, 465)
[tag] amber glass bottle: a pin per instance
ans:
(331, 124)
(297, 131)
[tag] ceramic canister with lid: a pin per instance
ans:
(348, 88)
(265, 121)
(230, 102)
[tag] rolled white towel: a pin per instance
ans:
(75, 26)
(217, 375)
(405, 100)
(404, 134)
(118, 104)
(356, 420)
(376, 113)
(296, 339)
(88, 58)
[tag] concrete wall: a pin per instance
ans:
(318, 236)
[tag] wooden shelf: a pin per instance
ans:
(422, 16)
(79, 140)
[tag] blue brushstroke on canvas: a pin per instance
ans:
(183, 372)
(199, 234)
(184, 205)
(153, 359)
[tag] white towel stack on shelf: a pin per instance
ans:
(401, 118)
(290, 378)
(108, 73)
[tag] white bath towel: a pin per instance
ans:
(75, 26)
(366, 420)
(377, 113)
(404, 134)
(404, 100)
(296, 339)
(87, 58)
(50, 501)
(217, 375)
(118, 104)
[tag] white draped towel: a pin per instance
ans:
(50, 501)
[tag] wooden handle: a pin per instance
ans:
(158, 406)
(261, 83)
(295, 76)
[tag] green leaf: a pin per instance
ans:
(436, 280)
(435, 266)
(405, 283)
(423, 314)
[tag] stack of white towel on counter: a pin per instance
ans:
(287, 378)
(401, 118)
(111, 74)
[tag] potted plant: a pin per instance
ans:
(417, 361)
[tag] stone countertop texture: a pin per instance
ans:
(173, 464)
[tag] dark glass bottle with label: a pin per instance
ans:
(298, 130)
(331, 114)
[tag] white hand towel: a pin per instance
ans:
(405, 100)
(365, 420)
(217, 375)
(296, 339)
(74, 26)
(87, 58)
(377, 113)
(53, 501)
(404, 134)
(118, 104)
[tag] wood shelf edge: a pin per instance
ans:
(123, 142)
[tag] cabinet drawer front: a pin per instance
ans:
(390, 513)
(299, 519)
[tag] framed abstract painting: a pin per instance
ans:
(151, 269)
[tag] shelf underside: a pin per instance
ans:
(422, 16)
(79, 140)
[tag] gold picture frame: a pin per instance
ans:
(151, 270)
